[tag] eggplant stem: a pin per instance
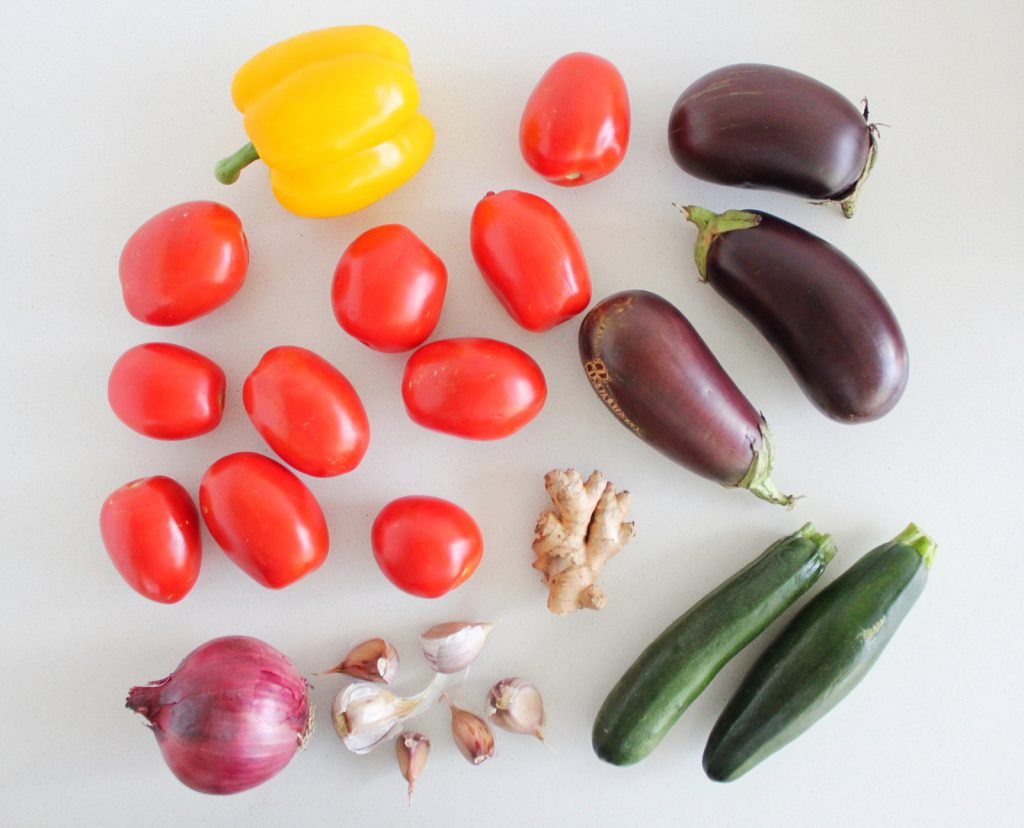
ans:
(849, 204)
(710, 226)
(758, 477)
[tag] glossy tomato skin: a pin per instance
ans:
(425, 545)
(530, 257)
(183, 263)
(388, 289)
(150, 528)
(575, 126)
(167, 391)
(264, 518)
(307, 411)
(473, 387)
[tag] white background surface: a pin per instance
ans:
(114, 111)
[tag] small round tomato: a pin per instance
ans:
(530, 257)
(473, 387)
(150, 529)
(425, 545)
(307, 411)
(388, 289)
(183, 263)
(264, 518)
(575, 127)
(166, 391)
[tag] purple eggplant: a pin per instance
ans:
(654, 372)
(820, 312)
(770, 128)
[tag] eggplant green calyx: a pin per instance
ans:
(228, 169)
(849, 202)
(917, 540)
(710, 226)
(758, 477)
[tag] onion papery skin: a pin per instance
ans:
(230, 717)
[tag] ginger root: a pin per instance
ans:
(573, 542)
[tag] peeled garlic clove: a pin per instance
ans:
(472, 735)
(453, 646)
(515, 705)
(373, 660)
(366, 714)
(412, 750)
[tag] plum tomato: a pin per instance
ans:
(264, 518)
(473, 387)
(575, 126)
(150, 528)
(166, 391)
(183, 263)
(388, 289)
(307, 411)
(530, 257)
(425, 545)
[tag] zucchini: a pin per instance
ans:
(820, 656)
(679, 663)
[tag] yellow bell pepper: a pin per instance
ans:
(333, 114)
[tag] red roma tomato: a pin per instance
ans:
(388, 289)
(530, 257)
(150, 528)
(264, 518)
(307, 411)
(166, 391)
(425, 545)
(183, 263)
(575, 128)
(471, 387)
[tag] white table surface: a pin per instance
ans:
(114, 111)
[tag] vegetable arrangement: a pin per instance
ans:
(334, 116)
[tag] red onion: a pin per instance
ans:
(230, 717)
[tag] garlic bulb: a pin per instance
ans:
(515, 705)
(453, 646)
(366, 714)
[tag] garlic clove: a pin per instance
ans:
(453, 646)
(373, 660)
(366, 714)
(472, 735)
(516, 705)
(412, 750)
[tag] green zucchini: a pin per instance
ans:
(680, 662)
(820, 656)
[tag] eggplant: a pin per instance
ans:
(816, 307)
(653, 371)
(765, 127)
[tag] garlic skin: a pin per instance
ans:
(453, 646)
(373, 660)
(515, 705)
(412, 750)
(472, 736)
